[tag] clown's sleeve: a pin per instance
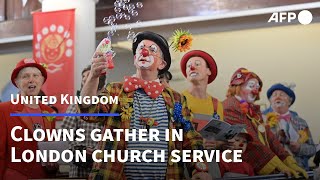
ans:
(275, 145)
(192, 140)
(307, 147)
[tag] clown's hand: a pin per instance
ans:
(287, 171)
(299, 170)
(292, 164)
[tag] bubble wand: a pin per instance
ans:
(105, 47)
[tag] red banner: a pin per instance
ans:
(53, 46)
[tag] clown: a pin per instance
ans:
(265, 154)
(291, 130)
(234, 169)
(28, 77)
(144, 104)
(200, 69)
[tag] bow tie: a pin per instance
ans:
(286, 117)
(247, 108)
(152, 88)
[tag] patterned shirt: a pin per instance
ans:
(296, 130)
(73, 122)
(146, 107)
(115, 170)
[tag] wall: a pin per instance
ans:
(8, 63)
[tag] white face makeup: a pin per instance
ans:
(280, 101)
(196, 69)
(154, 54)
(248, 89)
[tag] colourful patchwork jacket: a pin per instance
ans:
(265, 152)
(307, 146)
(192, 140)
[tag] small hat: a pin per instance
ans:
(246, 134)
(27, 62)
(159, 40)
(207, 57)
(283, 88)
(242, 75)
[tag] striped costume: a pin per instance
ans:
(191, 140)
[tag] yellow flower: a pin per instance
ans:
(272, 119)
(49, 118)
(303, 136)
(126, 113)
(44, 65)
(181, 40)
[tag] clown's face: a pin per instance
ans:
(250, 90)
(29, 81)
(240, 143)
(280, 101)
(149, 56)
(197, 70)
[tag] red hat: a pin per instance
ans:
(245, 133)
(242, 75)
(27, 62)
(207, 57)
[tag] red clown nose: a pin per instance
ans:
(192, 68)
(145, 52)
(255, 92)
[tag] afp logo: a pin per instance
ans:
(304, 17)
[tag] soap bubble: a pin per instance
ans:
(117, 4)
(134, 13)
(117, 10)
(125, 7)
(112, 17)
(119, 16)
(127, 17)
(139, 4)
(110, 33)
(114, 27)
(105, 20)
(131, 35)
(131, 6)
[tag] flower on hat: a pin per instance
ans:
(44, 65)
(244, 71)
(181, 40)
